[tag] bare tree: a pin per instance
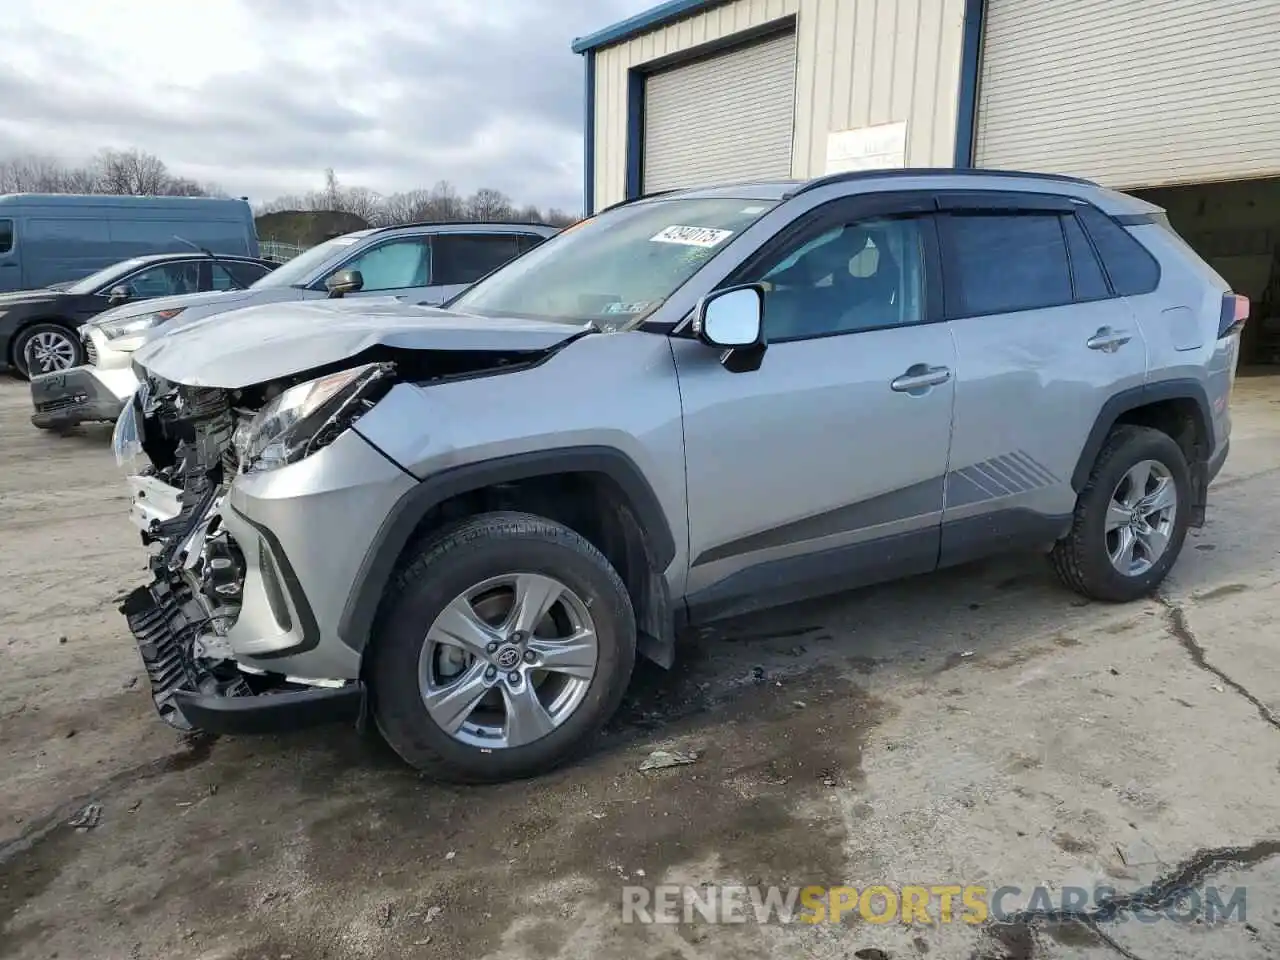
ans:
(31, 174)
(558, 218)
(134, 171)
(487, 205)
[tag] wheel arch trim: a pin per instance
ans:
(1133, 399)
(400, 524)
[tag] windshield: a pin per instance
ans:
(616, 267)
(294, 272)
(103, 277)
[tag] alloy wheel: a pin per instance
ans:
(49, 351)
(1140, 517)
(508, 661)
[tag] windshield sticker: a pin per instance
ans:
(747, 211)
(344, 241)
(640, 306)
(692, 236)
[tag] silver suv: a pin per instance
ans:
(420, 262)
(466, 523)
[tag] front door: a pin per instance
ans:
(823, 468)
(1042, 343)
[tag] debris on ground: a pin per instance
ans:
(129, 684)
(451, 854)
(799, 704)
(661, 759)
(87, 817)
(432, 913)
(384, 914)
(967, 653)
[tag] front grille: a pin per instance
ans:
(90, 351)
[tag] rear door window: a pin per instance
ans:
(464, 258)
(1086, 271)
(164, 280)
(1132, 269)
(6, 236)
(1004, 262)
(234, 276)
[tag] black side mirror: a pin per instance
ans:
(732, 320)
(118, 294)
(344, 282)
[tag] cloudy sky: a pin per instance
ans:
(262, 97)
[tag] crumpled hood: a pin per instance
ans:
(141, 308)
(263, 343)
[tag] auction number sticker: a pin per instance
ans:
(692, 236)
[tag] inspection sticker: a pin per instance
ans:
(692, 236)
(639, 306)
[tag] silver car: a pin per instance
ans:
(467, 524)
(422, 263)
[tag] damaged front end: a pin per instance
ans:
(183, 447)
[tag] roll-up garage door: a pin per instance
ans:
(724, 119)
(1131, 92)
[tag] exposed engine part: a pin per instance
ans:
(165, 623)
(181, 618)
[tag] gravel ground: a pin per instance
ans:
(981, 726)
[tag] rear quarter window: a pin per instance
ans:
(1131, 267)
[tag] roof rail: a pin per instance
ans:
(855, 175)
(461, 223)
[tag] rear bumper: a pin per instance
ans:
(79, 395)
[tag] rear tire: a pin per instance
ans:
(1092, 558)
(405, 667)
(52, 346)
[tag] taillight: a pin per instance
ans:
(1235, 311)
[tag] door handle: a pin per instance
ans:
(919, 376)
(1108, 340)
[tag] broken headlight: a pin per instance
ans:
(309, 417)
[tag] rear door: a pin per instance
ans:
(460, 259)
(1042, 342)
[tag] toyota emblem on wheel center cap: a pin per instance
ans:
(507, 657)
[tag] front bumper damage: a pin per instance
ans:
(191, 699)
(188, 620)
(80, 395)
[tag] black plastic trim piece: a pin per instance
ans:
(271, 712)
(292, 586)
(1137, 219)
(1132, 399)
(393, 535)
(912, 501)
(817, 574)
(999, 532)
(1003, 201)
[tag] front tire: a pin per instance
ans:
(506, 644)
(1130, 520)
(46, 348)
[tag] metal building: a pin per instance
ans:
(1175, 100)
